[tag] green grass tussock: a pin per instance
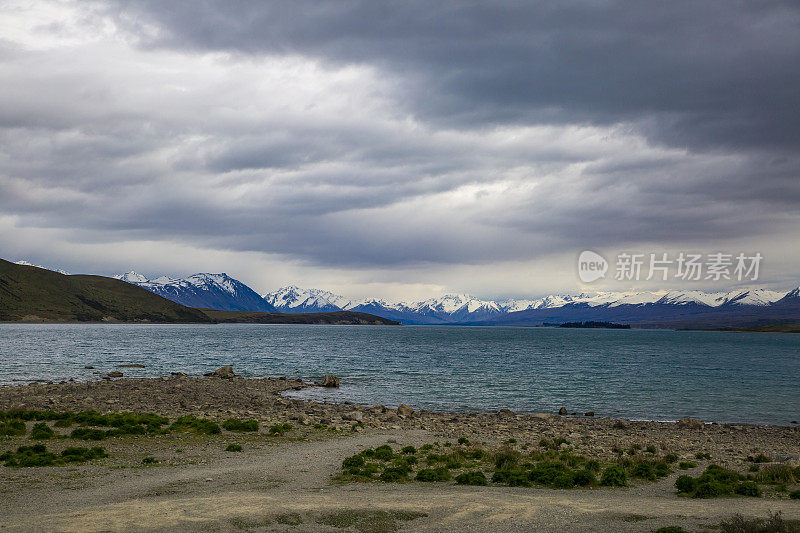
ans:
(716, 481)
(234, 424)
(37, 455)
(41, 431)
(198, 425)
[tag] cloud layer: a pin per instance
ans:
(401, 142)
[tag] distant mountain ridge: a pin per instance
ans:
(673, 308)
(651, 307)
(211, 291)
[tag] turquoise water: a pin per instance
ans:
(641, 374)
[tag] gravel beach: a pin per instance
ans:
(285, 483)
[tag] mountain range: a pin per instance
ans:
(210, 291)
(676, 308)
(29, 293)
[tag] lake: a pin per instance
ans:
(637, 374)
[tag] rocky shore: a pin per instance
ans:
(222, 395)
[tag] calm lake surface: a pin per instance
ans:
(640, 374)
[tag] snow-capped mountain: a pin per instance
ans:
(462, 308)
(457, 308)
(26, 263)
(673, 308)
(293, 299)
(212, 291)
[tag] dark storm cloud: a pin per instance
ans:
(373, 134)
(706, 74)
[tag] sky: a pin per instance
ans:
(399, 149)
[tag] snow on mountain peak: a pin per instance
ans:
(292, 297)
(26, 263)
(132, 277)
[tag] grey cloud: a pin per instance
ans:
(111, 155)
(705, 74)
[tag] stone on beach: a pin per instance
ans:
(131, 365)
(329, 380)
(404, 410)
(691, 423)
(563, 411)
(224, 372)
(114, 374)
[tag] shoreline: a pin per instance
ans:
(193, 482)
(264, 398)
(297, 384)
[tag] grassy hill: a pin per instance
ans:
(34, 294)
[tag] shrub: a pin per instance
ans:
(643, 470)
(453, 463)
(356, 461)
(463, 441)
(709, 489)
(651, 449)
(702, 455)
(433, 474)
(584, 478)
(473, 477)
(776, 474)
(149, 461)
(41, 431)
(279, 429)
(686, 465)
(593, 465)
(233, 448)
(774, 524)
(754, 468)
(506, 458)
(685, 484)
(546, 473)
(614, 476)
(37, 455)
(78, 454)
(476, 454)
(393, 474)
(13, 428)
(565, 480)
(715, 481)
(384, 453)
(748, 488)
(410, 450)
(794, 495)
(199, 425)
(234, 424)
(88, 434)
(670, 529)
(760, 458)
(670, 458)
(514, 478)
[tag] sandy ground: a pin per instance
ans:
(285, 483)
(250, 490)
